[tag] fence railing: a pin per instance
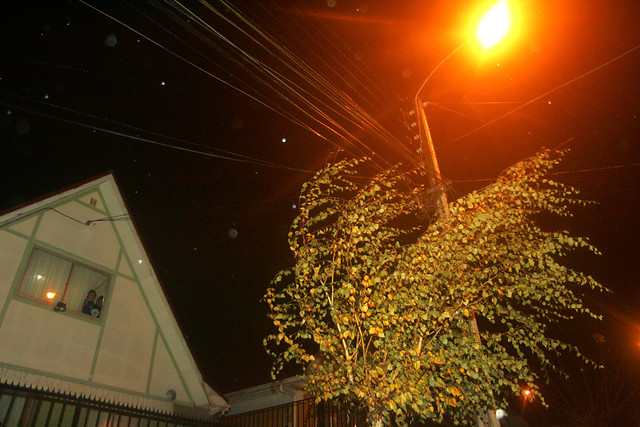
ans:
(26, 408)
(303, 413)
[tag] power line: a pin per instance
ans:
(151, 141)
(593, 70)
(241, 156)
(623, 166)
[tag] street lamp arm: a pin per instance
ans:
(453, 52)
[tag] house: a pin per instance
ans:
(286, 403)
(84, 320)
(276, 393)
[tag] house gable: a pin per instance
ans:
(135, 349)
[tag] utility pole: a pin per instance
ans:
(429, 159)
(430, 162)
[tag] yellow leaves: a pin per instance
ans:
(465, 312)
(455, 391)
(376, 330)
(346, 334)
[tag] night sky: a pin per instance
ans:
(81, 94)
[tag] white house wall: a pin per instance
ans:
(127, 342)
(43, 340)
(135, 347)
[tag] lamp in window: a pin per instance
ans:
(60, 307)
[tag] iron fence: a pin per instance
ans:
(27, 408)
(303, 413)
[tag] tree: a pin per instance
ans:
(378, 306)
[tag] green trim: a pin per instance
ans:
(149, 308)
(93, 208)
(16, 233)
(77, 380)
(153, 359)
(175, 365)
(16, 279)
(108, 297)
(76, 257)
(106, 304)
(133, 277)
(73, 314)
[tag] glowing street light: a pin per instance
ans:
(494, 25)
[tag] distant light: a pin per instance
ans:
(494, 25)
(284, 139)
(549, 102)
(38, 277)
(46, 96)
(294, 206)
(162, 83)
(51, 295)
(139, 261)
(500, 414)
(527, 392)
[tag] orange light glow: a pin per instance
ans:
(494, 25)
(527, 393)
(51, 295)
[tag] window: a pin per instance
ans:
(51, 279)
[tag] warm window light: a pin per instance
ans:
(494, 25)
(51, 295)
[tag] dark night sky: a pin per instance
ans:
(56, 64)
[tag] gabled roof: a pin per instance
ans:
(103, 204)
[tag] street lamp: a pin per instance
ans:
(492, 28)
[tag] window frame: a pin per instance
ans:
(74, 263)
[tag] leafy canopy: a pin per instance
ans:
(380, 308)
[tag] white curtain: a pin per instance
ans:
(45, 273)
(83, 280)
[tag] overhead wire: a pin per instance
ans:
(239, 62)
(248, 159)
(283, 53)
(208, 73)
(468, 116)
(532, 100)
(303, 30)
(602, 168)
(148, 140)
(298, 67)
